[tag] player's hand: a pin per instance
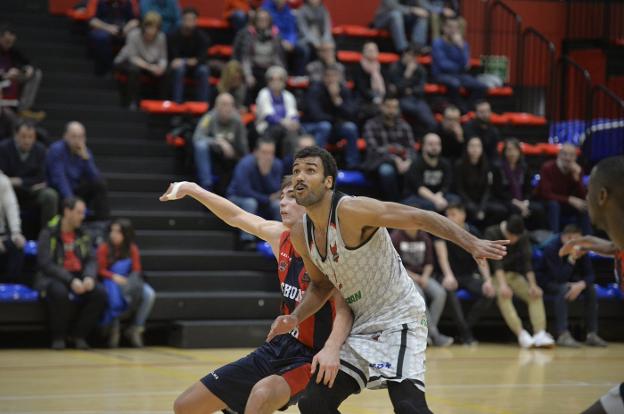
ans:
(175, 191)
(282, 325)
(489, 249)
(328, 363)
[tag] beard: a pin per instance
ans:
(310, 198)
(433, 154)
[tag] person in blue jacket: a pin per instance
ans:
(297, 52)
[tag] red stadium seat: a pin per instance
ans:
(83, 15)
(358, 31)
(351, 56)
(157, 107)
(523, 118)
(220, 51)
(212, 23)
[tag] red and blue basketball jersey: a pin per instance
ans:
(314, 331)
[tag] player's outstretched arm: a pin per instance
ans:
(589, 243)
(318, 292)
(367, 212)
(327, 360)
(229, 212)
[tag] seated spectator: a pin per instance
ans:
(399, 17)
(429, 178)
(11, 239)
(238, 12)
(8, 118)
(416, 251)
(297, 52)
(389, 148)
(257, 48)
(255, 186)
(22, 159)
(330, 114)
(512, 185)
(567, 278)
(314, 24)
(326, 56)
(71, 170)
(408, 77)
(219, 141)
(514, 276)
(561, 187)
(112, 22)
(481, 126)
(188, 49)
(451, 133)
(276, 111)
(439, 10)
(67, 266)
(303, 141)
(450, 63)
(168, 10)
(24, 78)
(473, 183)
(145, 53)
(232, 81)
(119, 267)
(370, 86)
(460, 271)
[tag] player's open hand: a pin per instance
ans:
(574, 246)
(489, 249)
(282, 325)
(175, 191)
(327, 361)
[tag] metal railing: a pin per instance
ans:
(571, 95)
(503, 28)
(605, 133)
(595, 20)
(536, 73)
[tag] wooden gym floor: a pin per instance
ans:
(487, 379)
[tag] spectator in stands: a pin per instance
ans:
(119, 267)
(326, 56)
(188, 49)
(145, 53)
(408, 77)
(220, 140)
(16, 68)
(389, 148)
(450, 63)
(22, 159)
(567, 278)
(276, 111)
(416, 251)
(370, 85)
(8, 118)
(439, 10)
(257, 48)
(71, 170)
(232, 81)
(330, 114)
(255, 186)
(473, 183)
(399, 17)
(512, 185)
(297, 51)
(11, 239)
(514, 276)
(460, 271)
(561, 187)
(451, 133)
(238, 12)
(303, 141)
(168, 10)
(315, 25)
(429, 178)
(112, 22)
(67, 266)
(481, 126)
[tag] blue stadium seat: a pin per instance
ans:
(264, 249)
(30, 248)
(352, 178)
(463, 294)
(17, 293)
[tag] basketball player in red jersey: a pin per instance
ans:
(605, 204)
(273, 376)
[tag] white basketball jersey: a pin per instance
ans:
(371, 277)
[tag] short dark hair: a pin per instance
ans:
(329, 163)
(6, 28)
(608, 173)
(457, 205)
(264, 139)
(190, 10)
(70, 202)
(515, 225)
(286, 181)
(24, 123)
(391, 95)
(481, 102)
(572, 229)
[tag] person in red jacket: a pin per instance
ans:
(119, 268)
(561, 187)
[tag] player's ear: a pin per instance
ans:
(603, 195)
(329, 182)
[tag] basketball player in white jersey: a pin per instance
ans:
(344, 243)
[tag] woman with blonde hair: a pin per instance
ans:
(233, 82)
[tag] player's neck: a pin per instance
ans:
(319, 212)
